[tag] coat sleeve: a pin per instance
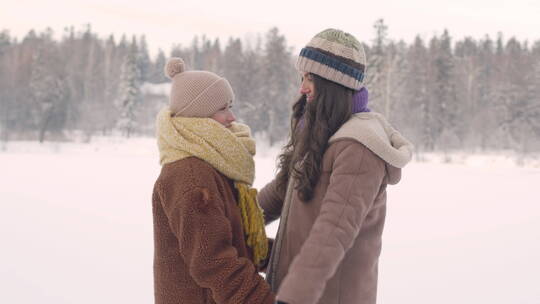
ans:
(356, 178)
(197, 218)
(271, 201)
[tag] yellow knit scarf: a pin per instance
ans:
(228, 150)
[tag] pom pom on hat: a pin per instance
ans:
(174, 67)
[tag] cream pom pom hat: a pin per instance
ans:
(196, 93)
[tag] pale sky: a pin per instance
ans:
(168, 22)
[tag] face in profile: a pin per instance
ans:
(224, 116)
(307, 87)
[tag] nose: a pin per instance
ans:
(304, 90)
(231, 117)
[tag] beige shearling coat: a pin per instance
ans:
(327, 249)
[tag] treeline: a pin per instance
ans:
(472, 94)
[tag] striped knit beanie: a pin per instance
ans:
(196, 93)
(336, 56)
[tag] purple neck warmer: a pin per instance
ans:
(360, 101)
(359, 104)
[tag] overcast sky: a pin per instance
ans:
(167, 22)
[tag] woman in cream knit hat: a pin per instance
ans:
(330, 191)
(209, 239)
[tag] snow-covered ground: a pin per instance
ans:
(76, 226)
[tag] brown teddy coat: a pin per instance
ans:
(200, 251)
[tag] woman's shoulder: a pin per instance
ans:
(189, 164)
(351, 153)
(347, 147)
(345, 143)
(363, 127)
(189, 172)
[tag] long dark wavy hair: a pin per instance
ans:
(312, 125)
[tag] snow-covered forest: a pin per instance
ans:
(444, 94)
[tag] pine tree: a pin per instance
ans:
(213, 55)
(466, 77)
(520, 104)
(443, 108)
(533, 110)
(95, 108)
(416, 96)
(23, 97)
(157, 75)
(5, 98)
(143, 60)
(484, 120)
(49, 94)
(111, 70)
(252, 85)
(5, 42)
(375, 65)
(233, 70)
(280, 88)
(128, 94)
(196, 61)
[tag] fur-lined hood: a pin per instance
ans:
(373, 131)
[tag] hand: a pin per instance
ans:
(264, 266)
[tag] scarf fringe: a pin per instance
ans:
(253, 222)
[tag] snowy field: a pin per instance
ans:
(76, 226)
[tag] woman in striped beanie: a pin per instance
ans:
(209, 238)
(330, 191)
